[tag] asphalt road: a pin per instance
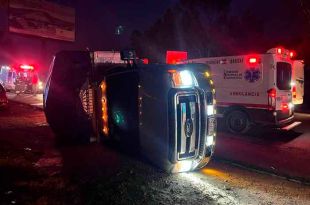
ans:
(284, 153)
(33, 100)
(35, 171)
(281, 153)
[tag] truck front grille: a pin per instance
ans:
(187, 125)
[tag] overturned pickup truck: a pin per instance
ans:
(164, 111)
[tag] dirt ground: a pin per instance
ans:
(33, 170)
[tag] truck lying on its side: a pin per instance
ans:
(164, 111)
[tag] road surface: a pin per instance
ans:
(30, 99)
(280, 153)
(33, 170)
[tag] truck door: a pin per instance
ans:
(298, 82)
(284, 106)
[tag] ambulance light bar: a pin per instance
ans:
(282, 51)
(26, 67)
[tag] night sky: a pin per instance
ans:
(96, 21)
(100, 18)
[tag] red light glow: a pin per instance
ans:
(145, 61)
(272, 93)
(292, 54)
(253, 60)
(285, 106)
(294, 92)
(174, 57)
(26, 67)
(279, 50)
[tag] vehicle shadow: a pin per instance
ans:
(86, 162)
(271, 135)
(261, 134)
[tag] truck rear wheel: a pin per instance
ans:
(237, 122)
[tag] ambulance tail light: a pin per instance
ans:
(284, 107)
(272, 93)
(294, 92)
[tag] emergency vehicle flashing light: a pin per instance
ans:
(27, 67)
(145, 61)
(175, 57)
(282, 51)
(253, 60)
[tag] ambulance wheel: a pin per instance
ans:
(237, 122)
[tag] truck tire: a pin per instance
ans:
(237, 122)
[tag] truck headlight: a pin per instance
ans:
(183, 79)
(183, 166)
(210, 110)
(210, 140)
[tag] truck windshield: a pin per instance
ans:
(284, 74)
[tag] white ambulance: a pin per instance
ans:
(298, 82)
(253, 89)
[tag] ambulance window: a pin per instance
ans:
(284, 73)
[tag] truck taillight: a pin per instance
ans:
(272, 93)
(104, 108)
